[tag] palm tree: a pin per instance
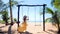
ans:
(11, 4)
(11, 12)
(54, 16)
(56, 4)
(7, 5)
(5, 16)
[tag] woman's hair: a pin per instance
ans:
(24, 18)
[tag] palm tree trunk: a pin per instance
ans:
(57, 20)
(11, 13)
(58, 25)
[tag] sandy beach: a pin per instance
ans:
(32, 28)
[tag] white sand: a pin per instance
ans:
(34, 28)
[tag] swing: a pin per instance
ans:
(44, 5)
(23, 26)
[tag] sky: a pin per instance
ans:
(31, 11)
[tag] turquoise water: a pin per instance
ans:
(34, 21)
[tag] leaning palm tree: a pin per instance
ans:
(56, 4)
(54, 16)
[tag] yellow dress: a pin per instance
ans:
(23, 27)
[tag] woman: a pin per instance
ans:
(23, 26)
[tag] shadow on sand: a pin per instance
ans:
(1, 32)
(2, 26)
(48, 32)
(10, 31)
(6, 32)
(53, 31)
(25, 32)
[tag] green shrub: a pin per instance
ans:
(1, 21)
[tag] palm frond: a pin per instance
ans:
(52, 2)
(56, 3)
(14, 3)
(49, 19)
(50, 11)
(5, 6)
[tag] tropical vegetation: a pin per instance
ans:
(3, 6)
(55, 13)
(5, 17)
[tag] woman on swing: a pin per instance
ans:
(23, 26)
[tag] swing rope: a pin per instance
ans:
(22, 11)
(28, 12)
(35, 16)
